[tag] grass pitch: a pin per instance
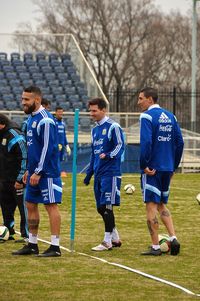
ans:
(76, 277)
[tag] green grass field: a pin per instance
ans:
(78, 277)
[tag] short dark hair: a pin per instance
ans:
(45, 102)
(4, 119)
(33, 89)
(150, 92)
(100, 102)
(58, 108)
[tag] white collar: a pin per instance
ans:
(102, 120)
(154, 106)
(38, 111)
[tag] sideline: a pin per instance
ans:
(128, 269)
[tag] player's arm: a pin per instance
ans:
(145, 141)
(116, 135)
(179, 144)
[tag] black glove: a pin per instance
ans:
(86, 181)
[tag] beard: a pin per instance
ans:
(29, 109)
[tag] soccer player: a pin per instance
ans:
(43, 182)
(105, 163)
(63, 144)
(161, 147)
(13, 157)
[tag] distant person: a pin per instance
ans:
(105, 163)
(63, 144)
(161, 147)
(43, 182)
(13, 157)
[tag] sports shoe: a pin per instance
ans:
(11, 237)
(52, 251)
(30, 249)
(104, 246)
(152, 252)
(175, 247)
(116, 243)
(21, 240)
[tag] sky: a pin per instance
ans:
(14, 12)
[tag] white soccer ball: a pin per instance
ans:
(129, 188)
(198, 198)
(4, 233)
(164, 242)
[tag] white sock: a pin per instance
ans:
(115, 234)
(108, 237)
(172, 238)
(55, 240)
(156, 247)
(33, 238)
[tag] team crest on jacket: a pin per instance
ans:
(104, 132)
(34, 124)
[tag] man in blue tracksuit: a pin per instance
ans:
(161, 147)
(105, 163)
(43, 182)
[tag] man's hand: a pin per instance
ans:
(18, 185)
(68, 150)
(34, 179)
(150, 172)
(102, 156)
(86, 181)
(25, 176)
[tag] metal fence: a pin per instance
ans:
(178, 102)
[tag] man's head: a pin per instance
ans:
(147, 97)
(97, 108)
(31, 99)
(59, 113)
(4, 121)
(46, 103)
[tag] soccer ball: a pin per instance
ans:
(164, 243)
(198, 198)
(129, 189)
(4, 233)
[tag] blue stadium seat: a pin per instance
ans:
(20, 69)
(11, 75)
(60, 98)
(55, 63)
(75, 78)
(40, 83)
(42, 63)
(67, 63)
(28, 56)
(49, 97)
(65, 105)
(3, 82)
(15, 56)
(70, 90)
(53, 56)
(11, 104)
(14, 82)
(66, 84)
(57, 90)
(24, 75)
(59, 69)
(34, 69)
(50, 76)
(37, 76)
(29, 62)
(74, 98)
(17, 90)
(18, 99)
(8, 68)
(46, 69)
(27, 82)
(40, 56)
(2, 106)
(80, 85)
(65, 56)
(3, 56)
(63, 77)
(8, 98)
(5, 90)
(2, 75)
(45, 90)
(85, 124)
(54, 82)
(70, 123)
(77, 105)
(4, 62)
(16, 63)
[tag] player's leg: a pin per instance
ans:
(51, 189)
(23, 213)
(151, 196)
(165, 214)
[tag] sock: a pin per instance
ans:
(33, 238)
(172, 238)
(108, 237)
(55, 241)
(156, 247)
(115, 234)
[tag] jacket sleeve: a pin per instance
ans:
(145, 140)
(115, 134)
(48, 137)
(179, 144)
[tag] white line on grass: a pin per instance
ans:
(128, 269)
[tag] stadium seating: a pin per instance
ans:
(55, 74)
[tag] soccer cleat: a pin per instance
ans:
(152, 252)
(22, 240)
(11, 237)
(52, 251)
(175, 247)
(30, 249)
(104, 246)
(116, 243)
